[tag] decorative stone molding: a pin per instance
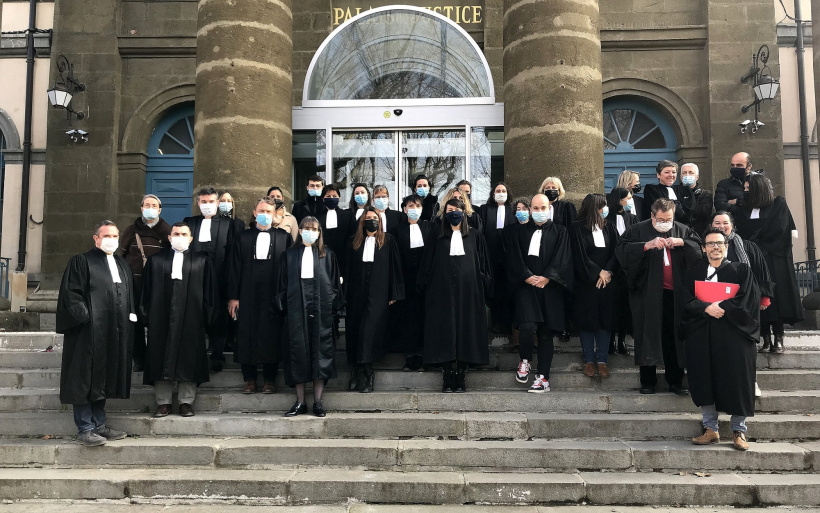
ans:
(148, 114)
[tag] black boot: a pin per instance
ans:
(367, 382)
(355, 378)
(777, 346)
(622, 347)
(612, 349)
(458, 381)
(767, 344)
(447, 383)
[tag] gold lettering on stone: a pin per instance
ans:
(461, 14)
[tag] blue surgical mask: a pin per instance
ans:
(150, 213)
(688, 180)
(605, 212)
(414, 213)
(263, 219)
(630, 205)
(454, 218)
(523, 216)
(540, 217)
(314, 192)
(381, 203)
(423, 191)
(361, 199)
(225, 207)
(309, 236)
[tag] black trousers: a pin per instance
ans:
(527, 332)
(139, 342)
(776, 327)
(249, 372)
(673, 371)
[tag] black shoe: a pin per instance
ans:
(367, 386)
(777, 345)
(458, 382)
(679, 389)
(138, 366)
(355, 379)
(447, 384)
(416, 362)
(318, 409)
(612, 349)
(216, 365)
(407, 364)
(767, 344)
(297, 409)
(648, 390)
(622, 347)
(564, 336)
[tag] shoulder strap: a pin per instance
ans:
(142, 250)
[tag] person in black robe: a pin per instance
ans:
(496, 214)
(251, 279)
(227, 209)
(373, 282)
(309, 293)
(655, 255)
(406, 326)
(702, 210)
(473, 218)
(95, 312)
(594, 264)
(214, 235)
(178, 301)
(313, 204)
(631, 181)
(337, 223)
(455, 279)
(561, 212)
(622, 207)
(765, 219)
(666, 188)
(424, 190)
(390, 218)
(720, 341)
(521, 207)
(539, 266)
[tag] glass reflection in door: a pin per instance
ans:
(364, 157)
(441, 155)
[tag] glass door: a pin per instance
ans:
(441, 155)
(365, 157)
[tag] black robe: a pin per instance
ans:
(474, 222)
(721, 353)
(554, 261)
(336, 238)
(369, 288)
(309, 306)
(394, 219)
(702, 213)
(455, 289)
(429, 207)
(622, 311)
(593, 308)
(760, 270)
(406, 327)
(644, 274)
(94, 314)
(565, 213)
(684, 205)
(178, 312)
(310, 206)
(253, 282)
(772, 233)
(500, 303)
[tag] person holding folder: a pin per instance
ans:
(721, 325)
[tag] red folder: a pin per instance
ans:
(715, 291)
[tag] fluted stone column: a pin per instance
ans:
(243, 97)
(552, 95)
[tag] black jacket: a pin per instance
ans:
(728, 189)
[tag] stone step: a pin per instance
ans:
(620, 379)
(333, 486)
(240, 506)
(440, 425)
(28, 341)
(411, 455)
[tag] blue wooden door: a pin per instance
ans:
(170, 171)
(636, 137)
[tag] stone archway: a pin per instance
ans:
(149, 113)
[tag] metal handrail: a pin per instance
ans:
(808, 276)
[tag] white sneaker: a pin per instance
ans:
(522, 375)
(758, 393)
(539, 385)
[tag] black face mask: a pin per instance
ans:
(636, 189)
(551, 194)
(738, 173)
(371, 225)
(454, 218)
(331, 202)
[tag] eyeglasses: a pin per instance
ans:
(715, 244)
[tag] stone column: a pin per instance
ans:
(552, 96)
(243, 97)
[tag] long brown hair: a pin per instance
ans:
(589, 215)
(312, 222)
(358, 239)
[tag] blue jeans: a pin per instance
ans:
(89, 416)
(710, 419)
(588, 343)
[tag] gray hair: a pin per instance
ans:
(690, 164)
(105, 222)
(152, 197)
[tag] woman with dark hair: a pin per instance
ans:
(621, 203)
(289, 222)
(373, 281)
(521, 207)
(455, 278)
(593, 243)
(337, 223)
(359, 201)
(309, 293)
(683, 196)
(765, 219)
(496, 214)
(423, 188)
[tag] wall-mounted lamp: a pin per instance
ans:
(764, 85)
(65, 88)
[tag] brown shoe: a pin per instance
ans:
(603, 370)
(250, 387)
(739, 441)
(708, 437)
(186, 410)
(268, 388)
(162, 410)
(589, 370)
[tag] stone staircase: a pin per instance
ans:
(589, 441)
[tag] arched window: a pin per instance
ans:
(170, 169)
(399, 52)
(636, 137)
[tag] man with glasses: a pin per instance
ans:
(721, 325)
(655, 255)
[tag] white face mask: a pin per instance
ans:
(207, 209)
(225, 207)
(180, 243)
(663, 227)
(150, 213)
(110, 245)
(500, 197)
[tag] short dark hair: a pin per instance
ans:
(330, 187)
(275, 188)
(711, 230)
(206, 191)
(523, 200)
(180, 225)
(421, 177)
(722, 213)
(664, 164)
(315, 178)
(105, 222)
(411, 198)
(464, 182)
(761, 192)
(446, 229)
(663, 205)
